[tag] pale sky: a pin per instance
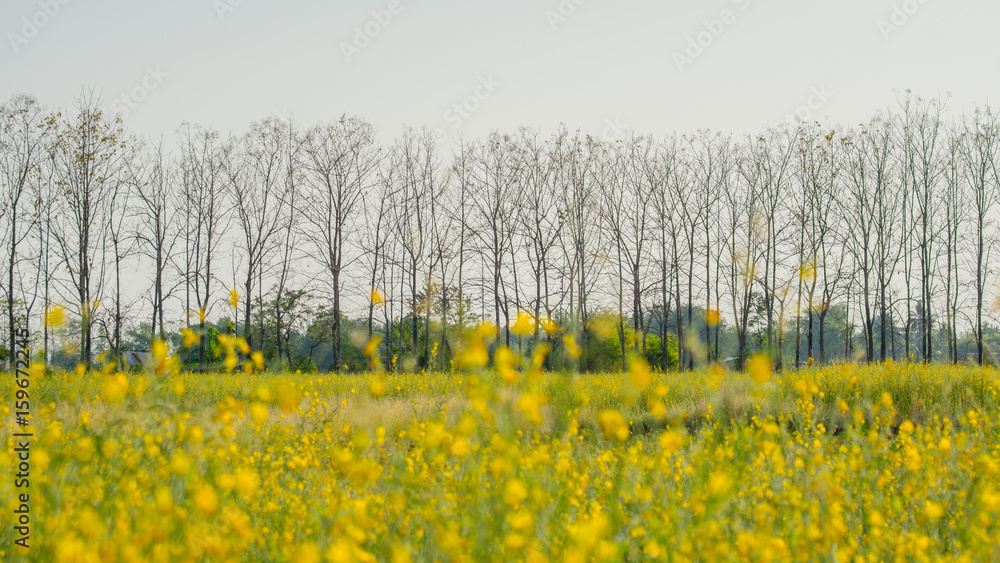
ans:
(595, 65)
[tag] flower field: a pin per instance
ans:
(866, 463)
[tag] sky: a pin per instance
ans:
(467, 68)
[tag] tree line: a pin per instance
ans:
(685, 248)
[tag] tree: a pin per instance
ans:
(921, 132)
(339, 161)
(979, 151)
(154, 180)
(89, 159)
(255, 173)
(201, 199)
(24, 131)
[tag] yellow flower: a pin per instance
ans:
(807, 271)
(514, 492)
(376, 388)
(933, 511)
(36, 370)
(376, 297)
(258, 359)
(719, 483)
(886, 400)
(639, 371)
(287, 397)
(234, 299)
(191, 338)
(371, 347)
(258, 412)
(401, 554)
(206, 500)
(504, 360)
(529, 404)
(671, 440)
(538, 356)
(759, 367)
(571, 346)
(114, 388)
(990, 498)
(524, 325)
(712, 317)
(613, 425)
(474, 355)
(180, 463)
(486, 331)
(306, 553)
(159, 350)
(55, 316)
(247, 481)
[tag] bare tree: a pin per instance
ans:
(255, 173)
(541, 221)
(979, 151)
(340, 161)
(90, 157)
(156, 233)
(201, 198)
(416, 165)
(122, 244)
(578, 193)
(285, 300)
(495, 199)
(711, 168)
(921, 133)
(24, 131)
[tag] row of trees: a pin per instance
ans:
(722, 246)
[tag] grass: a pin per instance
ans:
(829, 463)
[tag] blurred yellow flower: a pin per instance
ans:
(514, 492)
(190, 337)
(571, 346)
(613, 425)
(638, 370)
(55, 316)
(712, 317)
(113, 388)
(258, 412)
(759, 367)
(371, 347)
(206, 500)
(524, 325)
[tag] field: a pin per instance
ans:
(868, 463)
